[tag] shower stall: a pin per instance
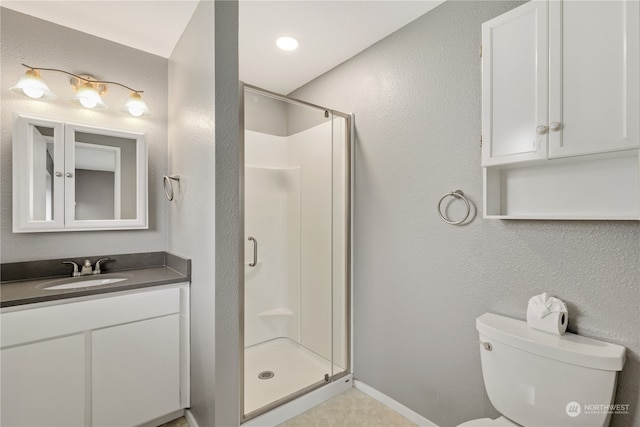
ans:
(296, 181)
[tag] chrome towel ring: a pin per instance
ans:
(168, 185)
(458, 194)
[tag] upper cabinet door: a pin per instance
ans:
(515, 85)
(38, 174)
(594, 49)
(106, 185)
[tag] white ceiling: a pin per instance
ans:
(153, 26)
(329, 32)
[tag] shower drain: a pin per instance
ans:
(266, 375)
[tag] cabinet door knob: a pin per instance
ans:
(541, 130)
(555, 126)
(58, 174)
(69, 175)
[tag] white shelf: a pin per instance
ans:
(597, 187)
(559, 218)
(272, 168)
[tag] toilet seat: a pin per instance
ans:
(488, 422)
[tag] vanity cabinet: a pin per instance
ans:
(131, 362)
(48, 375)
(73, 177)
(561, 111)
(119, 360)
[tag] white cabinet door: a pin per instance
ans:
(43, 384)
(515, 85)
(594, 49)
(38, 174)
(136, 372)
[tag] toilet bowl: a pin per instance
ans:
(534, 378)
(488, 422)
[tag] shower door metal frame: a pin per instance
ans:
(349, 136)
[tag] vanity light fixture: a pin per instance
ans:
(32, 85)
(136, 106)
(88, 93)
(287, 43)
(89, 90)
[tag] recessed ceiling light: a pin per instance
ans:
(287, 43)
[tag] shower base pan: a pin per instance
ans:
(278, 368)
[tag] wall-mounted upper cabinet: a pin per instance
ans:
(594, 94)
(71, 177)
(515, 85)
(560, 79)
(561, 111)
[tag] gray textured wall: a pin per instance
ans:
(229, 223)
(192, 215)
(420, 283)
(204, 134)
(42, 44)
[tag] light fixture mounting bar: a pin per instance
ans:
(82, 78)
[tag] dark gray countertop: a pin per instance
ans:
(28, 290)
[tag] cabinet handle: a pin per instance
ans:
(555, 126)
(58, 174)
(541, 130)
(69, 175)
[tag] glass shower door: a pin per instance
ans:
(295, 250)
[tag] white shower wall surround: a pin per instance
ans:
(286, 293)
(272, 215)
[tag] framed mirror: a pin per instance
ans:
(77, 177)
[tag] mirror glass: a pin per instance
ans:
(42, 156)
(105, 177)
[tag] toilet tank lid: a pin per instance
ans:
(569, 348)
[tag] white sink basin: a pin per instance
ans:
(79, 283)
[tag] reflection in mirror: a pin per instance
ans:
(42, 178)
(105, 177)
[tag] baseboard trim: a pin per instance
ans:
(409, 414)
(302, 404)
(190, 418)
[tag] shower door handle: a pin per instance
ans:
(255, 252)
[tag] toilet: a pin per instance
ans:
(535, 378)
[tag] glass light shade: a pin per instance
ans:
(287, 43)
(33, 86)
(88, 97)
(136, 106)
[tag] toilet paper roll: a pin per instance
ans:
(555, 323)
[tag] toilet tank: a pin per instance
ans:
(539, 379)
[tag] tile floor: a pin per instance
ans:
(351, 408)
(180, 422)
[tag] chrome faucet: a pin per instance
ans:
(86, 267)
(75, 272)
(97, 269)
